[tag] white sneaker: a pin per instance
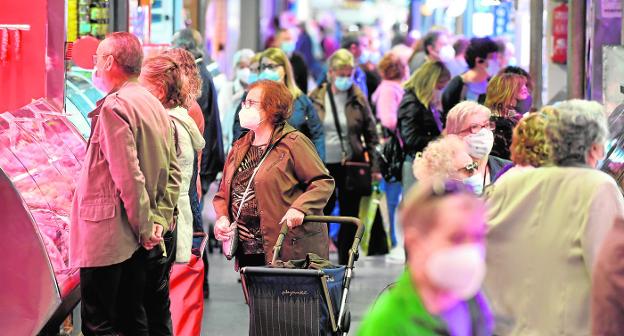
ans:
(396, 256)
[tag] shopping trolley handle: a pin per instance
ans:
(353, 252)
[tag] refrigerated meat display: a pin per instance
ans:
(41, 155)
(80, 99)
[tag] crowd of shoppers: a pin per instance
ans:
(551, 221)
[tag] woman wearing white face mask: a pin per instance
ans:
(439, 293)
(546, 226)
(482, 59)
(435, 48)
(272, 174)
(471, 122)
(232, 92)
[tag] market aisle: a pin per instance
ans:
(226, 314)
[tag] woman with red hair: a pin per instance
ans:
(165, 79)
(275, 158)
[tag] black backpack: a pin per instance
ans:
(392, 156)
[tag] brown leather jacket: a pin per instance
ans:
(360, 122)
(292, 176)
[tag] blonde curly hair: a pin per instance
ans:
(529, 143)
(436, 161)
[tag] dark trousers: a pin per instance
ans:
(349, 204)
(112, 298)
(157, 302)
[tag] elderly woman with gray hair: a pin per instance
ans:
(231, 94)
(546, 226)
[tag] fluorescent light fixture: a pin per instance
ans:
(456, 8)
(482, 24)
(490, 2)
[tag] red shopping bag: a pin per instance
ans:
(186, 293)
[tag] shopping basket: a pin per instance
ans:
(300, 301)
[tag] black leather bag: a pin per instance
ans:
(358, 177)
(392, 157)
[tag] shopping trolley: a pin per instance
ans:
(300, 301)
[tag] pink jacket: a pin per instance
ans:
(387, 98)
(129, 180)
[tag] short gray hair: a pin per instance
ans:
(581, 123)
(187, 39)
(127, 51)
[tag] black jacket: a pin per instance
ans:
(454, 93)
(502, 137)
(300, 71)
(417, 126)
(213, 157)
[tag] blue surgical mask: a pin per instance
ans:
(270, 75)
(253, 77)
(365, 57)
(288, 47)
(343, 83)
(524, 106)
(475, 182)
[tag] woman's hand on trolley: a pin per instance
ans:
(293, 218)
(223, 229)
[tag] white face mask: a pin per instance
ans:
(480, 144)
(446, 53)
(459, 270)
(243, 75)
(98, 81)
(475, 182)
(249, 118)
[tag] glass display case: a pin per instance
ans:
(41, 155)
(613, 164)
(80, 99)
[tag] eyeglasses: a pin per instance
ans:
(269, 66)
(470, 168)
(247, 103)
(476, 128)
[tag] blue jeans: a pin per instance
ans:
(408, 179)
(393, 195)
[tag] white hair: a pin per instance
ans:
(243, 54)
(581, 123)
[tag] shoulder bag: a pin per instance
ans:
(358, 178)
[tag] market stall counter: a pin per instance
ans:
(41, 154)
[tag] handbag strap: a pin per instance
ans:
(253, 175)
(336, 121)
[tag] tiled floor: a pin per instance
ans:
(226, 314)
